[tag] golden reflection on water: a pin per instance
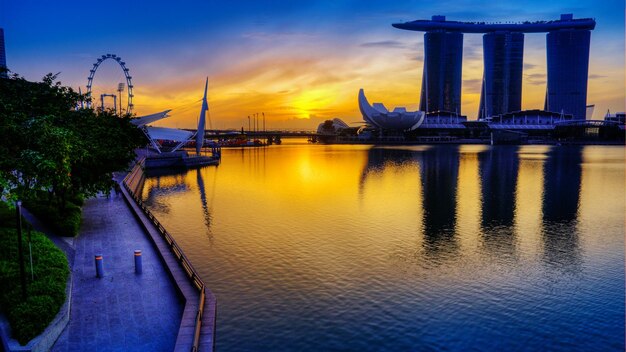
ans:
(299, 239)
(528, 198)
(468, 200)
(602, 194)
(456, 204)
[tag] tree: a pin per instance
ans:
(48, 144)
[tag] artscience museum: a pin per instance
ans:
(399, 119)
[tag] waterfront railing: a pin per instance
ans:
(131, 182)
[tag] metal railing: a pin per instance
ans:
(131, 180)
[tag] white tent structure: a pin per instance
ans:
(161, 133)
(173, 134)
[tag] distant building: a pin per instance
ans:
(331, 127)
(524, 119)
(618, 117)
(3, 57)
(379, 117)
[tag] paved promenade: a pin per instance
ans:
(122, 311)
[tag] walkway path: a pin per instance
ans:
(122, 311)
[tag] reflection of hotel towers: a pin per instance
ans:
(499, 167)
(562, 177)
(439, 169)
(503, 46)
(3, 57)
(377, 158)
(561, 193)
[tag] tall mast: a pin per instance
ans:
(201, 120)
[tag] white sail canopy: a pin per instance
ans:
(173, 134)
(144, 120)
(170, 134)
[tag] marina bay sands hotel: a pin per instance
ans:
(567, 47)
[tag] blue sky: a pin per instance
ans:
(299, 62)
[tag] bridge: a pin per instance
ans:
(221, 134)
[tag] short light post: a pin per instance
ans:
(138, 262)
(99, 266)
(20, 250)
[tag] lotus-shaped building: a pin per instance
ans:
(398, 119)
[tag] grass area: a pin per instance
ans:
(45, 294)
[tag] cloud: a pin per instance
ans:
(384, 44)
(535, 78)
(473, 51)
(472, 85)
(417, 57)
(596, 76)
(278, 35)
(529, 66)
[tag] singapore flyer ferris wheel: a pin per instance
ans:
(129, 84)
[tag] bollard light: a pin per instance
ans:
(138, 262)
(99, 266)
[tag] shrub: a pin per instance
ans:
(28, 319)
(46, 294)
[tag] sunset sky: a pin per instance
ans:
(298, 62)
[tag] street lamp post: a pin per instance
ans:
(20, 250)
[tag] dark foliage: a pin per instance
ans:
(46, 293)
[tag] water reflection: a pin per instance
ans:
(499, 169)
(439, 170)
(562, 175)
(562, 180)
(163, 182)
(357, 248)
(205, 207)
(379, 158)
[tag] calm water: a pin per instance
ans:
(360, 248)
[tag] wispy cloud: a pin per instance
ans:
(529, 66)
(596, 76)
(384, 44)
(277, 35)
(535, 78)
(472, 85)
(416, 57)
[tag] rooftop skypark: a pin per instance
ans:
(439, 23)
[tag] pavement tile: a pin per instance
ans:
(122, 311)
